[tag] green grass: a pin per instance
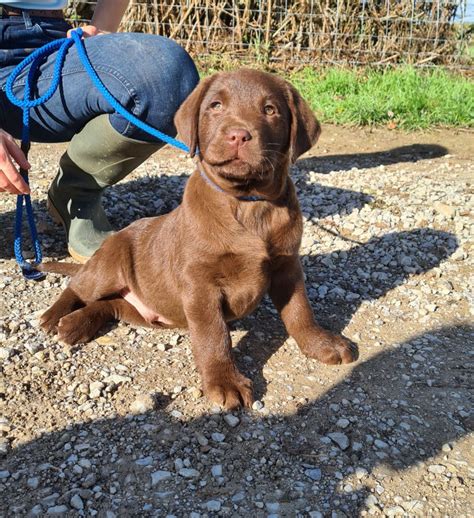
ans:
(404, 97)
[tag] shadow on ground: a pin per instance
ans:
(411, 154)
(413, 419)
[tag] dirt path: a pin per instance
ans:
(119, 427)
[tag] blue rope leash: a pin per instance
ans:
(27, 103)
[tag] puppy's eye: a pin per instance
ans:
(269, 110)
(216, 106)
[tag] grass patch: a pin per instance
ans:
(401, 97)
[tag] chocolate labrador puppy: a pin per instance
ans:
(234, 238)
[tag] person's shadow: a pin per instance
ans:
(398, 414)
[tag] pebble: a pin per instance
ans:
(58, 509)
(272, 507)
(216, 470)
(77, 503)
(218, 437)
(313, 474)
(343, 423)
(395, 511)
(213, 505)
(188, 473)
(231, 420)
(95, 389)
(142, 404)
(32, 482)
(257, 405)
(6, 353)
(340, 439)
(437, 469)
(160, 476)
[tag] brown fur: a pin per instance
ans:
(213, 258)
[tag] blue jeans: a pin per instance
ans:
(150, 75)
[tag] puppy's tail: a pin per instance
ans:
(61, 268)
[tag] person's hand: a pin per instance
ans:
(88, 31)
(10, 179)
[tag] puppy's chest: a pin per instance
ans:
(278, 230)
(243, 279)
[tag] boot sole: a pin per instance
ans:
(54, 213)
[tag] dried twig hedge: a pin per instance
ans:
(292, 33)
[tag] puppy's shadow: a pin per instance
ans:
(337, 286)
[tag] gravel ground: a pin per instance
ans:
(119, 427)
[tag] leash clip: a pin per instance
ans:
(30, 272)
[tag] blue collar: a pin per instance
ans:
(217, 188)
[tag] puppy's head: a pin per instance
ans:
(247, 125)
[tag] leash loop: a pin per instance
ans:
(34, 61)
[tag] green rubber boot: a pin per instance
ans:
(97, 157)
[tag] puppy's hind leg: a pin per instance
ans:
(83, 324)
(67, 303)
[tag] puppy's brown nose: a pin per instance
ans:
(238, 137)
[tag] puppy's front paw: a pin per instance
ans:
(229, 389)
(49, 320)
(332, 349)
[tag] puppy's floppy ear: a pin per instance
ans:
(305, 128)
(186, 119)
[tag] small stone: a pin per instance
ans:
(340, 439)
(343, 423)
(37, 510)
(188, 473)
(58, 509)
(218, 437)
(77, 503)
(380, 444)
(257, 405)
(213, 505)
(370, 501)
(437, 469)
(6, 353)
(395, 511)
(160, 476)
(95, 389)
(202, 439)
(89, 481)
(4, 474)
(144, 461)
(216, 470)
(413, 506)
(361, 473)
(313, 474)
(446, 447)
(32, 482)
(445, 210)
(142, 404)
(316, 514)
(195, 393)
(272, 507)
(231, 420)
